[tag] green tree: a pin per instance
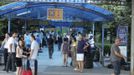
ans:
(122, 16)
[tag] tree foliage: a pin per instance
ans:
(122, 16)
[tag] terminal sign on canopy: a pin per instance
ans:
(54, 14)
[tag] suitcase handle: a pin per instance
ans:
(36, 67)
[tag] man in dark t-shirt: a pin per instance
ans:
(80, 47)
(50, 43)
(80, 53)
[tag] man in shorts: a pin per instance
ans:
(80, 53)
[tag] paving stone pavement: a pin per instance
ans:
(53, 66)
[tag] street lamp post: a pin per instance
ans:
(132, 40)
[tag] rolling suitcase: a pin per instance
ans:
(26, 68)
(26, 72)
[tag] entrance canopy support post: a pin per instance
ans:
(9, 25)
(93, 28)
(102, 54)
(25, 25)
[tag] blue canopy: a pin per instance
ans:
(71, 12)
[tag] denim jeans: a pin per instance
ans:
(116, 67)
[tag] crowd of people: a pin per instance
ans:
(72, 46)
(19, 47)
(75, 47)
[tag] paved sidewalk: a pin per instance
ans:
(53, 66)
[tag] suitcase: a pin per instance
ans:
(26, 72)
(88, 61)
(26, 69)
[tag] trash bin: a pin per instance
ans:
(88, 60)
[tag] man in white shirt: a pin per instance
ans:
(11, 52)
(33, 53)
